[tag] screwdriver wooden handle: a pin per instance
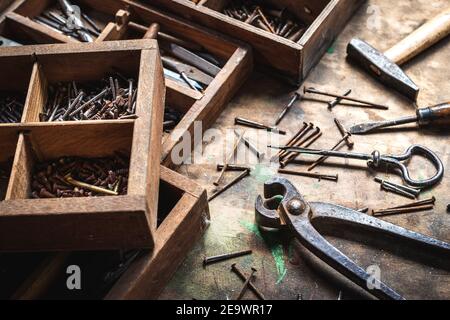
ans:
(421, 39)
(152, 31)
(438, 115)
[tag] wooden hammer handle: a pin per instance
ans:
(421, 39)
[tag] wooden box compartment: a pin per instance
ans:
(4, 5)
(205, 106)
(294, 60)
(182, 218)
(24, 14)
(14, 82)
(94, 223)
(8, 147)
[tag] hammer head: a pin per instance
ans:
(382, 68)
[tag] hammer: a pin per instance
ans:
(386, 67)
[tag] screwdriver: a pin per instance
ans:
(438, 115)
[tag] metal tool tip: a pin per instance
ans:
(363, 128)
(274, 147)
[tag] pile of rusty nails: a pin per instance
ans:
(70, 101)
(11, 108)
(70, 177)
(247, 279)
(275, 21)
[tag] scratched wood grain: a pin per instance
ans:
(284, 272)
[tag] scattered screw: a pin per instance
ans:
(363, 210)
(257, 125)
(430, 201)
(229, 158)
(251, 146)
(223, 257)
(245, 286)
(229, 185)
(232, 167)
(382, 213)
(329, 94)
(389, 187)
(310, 174)
(336, 101)
(243, 277)
(288, 107)
(344, 133)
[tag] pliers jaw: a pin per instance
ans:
(299, 216)
(273, 213)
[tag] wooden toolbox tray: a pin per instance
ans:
(326, 18)
(182, 218)
(4, 5)
(94, 223)
(204, 107)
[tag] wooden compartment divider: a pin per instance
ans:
(97, 223)
(114, 16)
(183, 219)
(326, 18)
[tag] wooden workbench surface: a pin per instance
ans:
(285, 270)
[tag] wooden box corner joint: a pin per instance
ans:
(82, 223)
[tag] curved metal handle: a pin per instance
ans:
(395, 161)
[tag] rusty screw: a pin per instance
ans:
(336, 101)
(243, 277)
(344, 133)
(310, 175)
(245, 286)
(223, 257)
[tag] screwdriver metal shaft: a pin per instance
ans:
(438, 115)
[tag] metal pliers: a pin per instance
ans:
(300, 216)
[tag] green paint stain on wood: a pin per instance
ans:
(275, 247)
(332, 48)
(262, 173)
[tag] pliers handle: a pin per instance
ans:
(300, 217)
